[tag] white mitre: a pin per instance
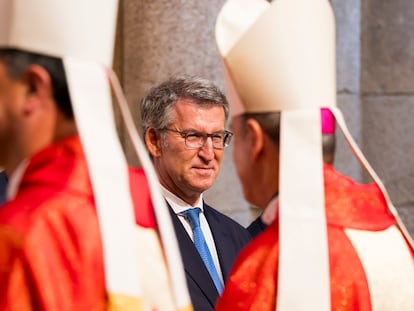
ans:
(79, 29)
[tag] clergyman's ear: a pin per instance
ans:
(39, 87)
(153, 142)
(256, 136)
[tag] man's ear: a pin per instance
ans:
(153, 142)
(39, 87)
(256, 136)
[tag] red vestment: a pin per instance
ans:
(253, 282)
(50, 245)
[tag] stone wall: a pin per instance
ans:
(387, 97)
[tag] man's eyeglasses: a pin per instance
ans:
(195, 140)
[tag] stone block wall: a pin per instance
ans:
(387, 97)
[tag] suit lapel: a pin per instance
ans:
(193, 264)
(221, 239)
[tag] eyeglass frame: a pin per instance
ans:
(202, 137)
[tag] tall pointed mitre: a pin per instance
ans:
(82, 33)
(293, 43)
(60, 28)
(280, 56)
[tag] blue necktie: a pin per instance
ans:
(200, 243)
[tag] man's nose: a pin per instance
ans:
(207, 149)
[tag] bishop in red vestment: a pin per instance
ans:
(349, 206)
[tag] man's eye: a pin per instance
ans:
(218, 136)
(193, 136)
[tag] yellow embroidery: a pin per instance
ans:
(119, 302)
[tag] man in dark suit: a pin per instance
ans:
(3, 186)
(183, 122)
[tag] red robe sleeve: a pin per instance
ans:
(141, 197)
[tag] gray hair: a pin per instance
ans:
(157, 105)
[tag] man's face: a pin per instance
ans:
(12, 94)
(189, 172)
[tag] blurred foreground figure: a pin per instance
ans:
(69, 239)
(334, 244)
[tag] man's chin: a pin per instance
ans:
(201, 187)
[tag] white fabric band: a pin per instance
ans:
(303, 282)
(92, 105)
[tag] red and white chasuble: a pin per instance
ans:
(364, 243)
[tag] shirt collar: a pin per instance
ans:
(15, 179)
(177, 204)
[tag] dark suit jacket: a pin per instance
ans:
(229, 237)
(3, 186)
(256, 227)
